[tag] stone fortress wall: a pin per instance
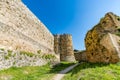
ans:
(21, 30)
(15, 58)
(63, 46)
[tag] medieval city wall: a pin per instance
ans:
(20, 29)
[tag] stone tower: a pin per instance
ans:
(63, 45)
(57, 44)
(21, 30)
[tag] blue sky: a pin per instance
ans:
(75, 17)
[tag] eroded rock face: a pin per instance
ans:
(102, 42)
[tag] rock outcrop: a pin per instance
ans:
(102, 41)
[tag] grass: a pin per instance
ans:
(61, 66)
(32, 73)
(94, 71)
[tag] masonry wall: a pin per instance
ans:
(64, 46)
(15, 58)
(21, 30)
(57, 44)
(80, 56)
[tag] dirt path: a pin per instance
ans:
(61, 74)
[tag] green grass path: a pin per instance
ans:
(32, 73)
(94, 71)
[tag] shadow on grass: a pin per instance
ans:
(86, 65)
(83, 65)
(61, 66)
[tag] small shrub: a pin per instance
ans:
(30, 54)
(20, 58)
(9, 53)
(6, 57)
(14, 63)
(118, 34)
(39, 51)
(14, 54)
(2, 49)
(48, 56)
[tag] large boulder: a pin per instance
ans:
(102, 41)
